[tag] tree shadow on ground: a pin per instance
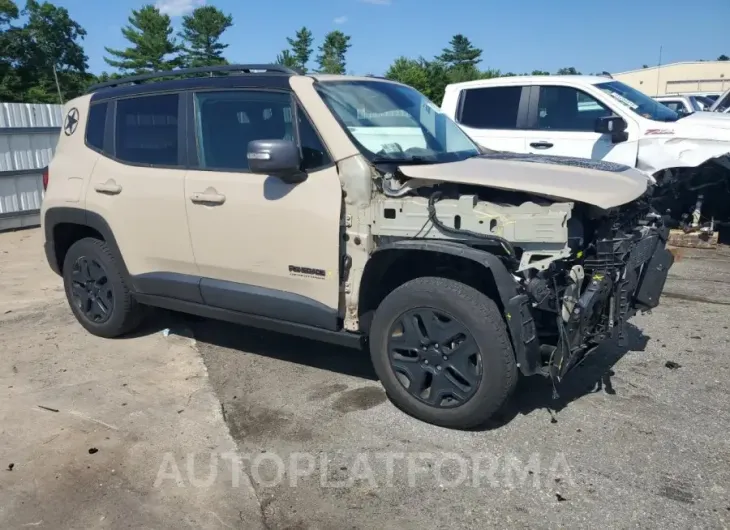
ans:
(532, 393)
(593, 375)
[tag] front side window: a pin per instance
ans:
(393, 122)
(147, 130)
(95, 125)
(227, 121)
(638, 102)
(490, 107)
(562, 108)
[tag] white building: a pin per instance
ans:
(679, 78)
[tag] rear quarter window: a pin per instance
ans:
(95, 125)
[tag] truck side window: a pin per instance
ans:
(562, 108)
(490, 107)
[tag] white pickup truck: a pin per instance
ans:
(602, 119)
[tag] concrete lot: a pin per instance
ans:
(637, 438)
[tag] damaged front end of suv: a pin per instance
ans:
(571, 264)
(465, 267)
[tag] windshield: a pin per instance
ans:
(392, 122)
(638, 102)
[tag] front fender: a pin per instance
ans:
(514, 304)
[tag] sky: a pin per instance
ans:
(516, 35)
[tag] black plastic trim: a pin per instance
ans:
(517, 314)
(61, 214)
(270, 303)
(170, 285)
(524, 107)
(264, 81)
(342, 338)
(239, 68)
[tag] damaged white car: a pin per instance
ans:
(600, 118)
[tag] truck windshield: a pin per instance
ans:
(638, 102)
(390, 122)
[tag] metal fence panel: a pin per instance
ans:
(28, 137)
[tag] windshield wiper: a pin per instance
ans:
(410, 160)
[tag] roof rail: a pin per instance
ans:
(244, 68)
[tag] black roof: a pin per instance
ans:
(238, 76)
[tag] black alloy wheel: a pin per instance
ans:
(91, 290)
(435, 357)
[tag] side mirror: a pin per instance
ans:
(278, 158)
(613, 125)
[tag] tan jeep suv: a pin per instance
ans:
(350, 210)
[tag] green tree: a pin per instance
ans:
(286, 58)
(150, 34)
(540, 72)
(723, 57)
(461, 53)
(201, 33)
(332, 52)
(568, 71)
(301, 47)
(10, 83)
(47, 47)
(412, 72)
(428, 77)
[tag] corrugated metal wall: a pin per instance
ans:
(28, 136)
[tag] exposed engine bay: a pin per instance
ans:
(579, 271)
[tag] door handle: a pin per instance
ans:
(541, 145)
(109, 187)
(207, 197)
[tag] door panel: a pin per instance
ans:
(144, 205)
(562, 123)
(279, 242)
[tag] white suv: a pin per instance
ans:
(596, 118)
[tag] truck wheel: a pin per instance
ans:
(96, 291)
(441, 350)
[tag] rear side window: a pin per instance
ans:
(147, 130)
(95, 125)
(491, 107)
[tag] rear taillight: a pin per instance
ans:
(45, 178)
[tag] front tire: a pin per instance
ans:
(96, 291)
(442, 352)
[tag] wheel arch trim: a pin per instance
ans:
(516, 310)
(69, 215)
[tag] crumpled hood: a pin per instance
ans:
(689, 142)
(716, 120)
(603, 184)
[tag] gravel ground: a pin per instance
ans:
(636, 438)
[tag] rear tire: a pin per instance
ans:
(458, 368)
(97, 292)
